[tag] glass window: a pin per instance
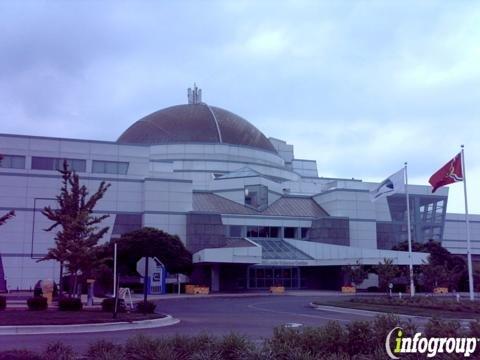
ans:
(252, 231)
(290, 233)
(256, 196)
(304, 233)
(263, 231)
(274, 232)
(48, 163)
(109, 167)
(12, 161)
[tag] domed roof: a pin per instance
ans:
(196, 122)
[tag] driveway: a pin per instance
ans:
(255, 316)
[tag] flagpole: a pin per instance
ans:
(409, 235)
(469, 251)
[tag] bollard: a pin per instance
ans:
(458, 297)
(400, 295)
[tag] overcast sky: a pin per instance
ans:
(360, 87)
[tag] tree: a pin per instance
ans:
(387, 271)
(442, 268)
(11, 213)
(7, 216)
(151, 242)
(355, 274)
(78, 234)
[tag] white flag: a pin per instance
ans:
(395, 183)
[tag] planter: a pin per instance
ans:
(440, 290)
(277, 289)
(190, 289)
(201, 290)
(349, 289)
(196, 289)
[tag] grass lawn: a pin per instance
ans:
(55, 317)
(409, 309)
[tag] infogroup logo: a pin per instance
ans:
(430, 346)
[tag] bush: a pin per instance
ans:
(105, 350)
(147, 308)
(108, 305)
(143, 347)
(58, 351)
(3, 302)
(37, 303)
(70, 304)
(440, 328)
(19, 355)
(359, 337)
(235, 346)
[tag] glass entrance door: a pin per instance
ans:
(261, 277)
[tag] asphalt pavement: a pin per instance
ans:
(255, 316)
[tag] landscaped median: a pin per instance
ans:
(69, 316)
(426, 306)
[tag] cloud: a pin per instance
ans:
(359, 86)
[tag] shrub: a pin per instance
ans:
(146, 307)
(440, 328)
(19, 355)
(146, 348)
(37, 303)
(359, 337)
(109, 303)
(184, 346)
(235, 346)
(3, 302)
(70, 304)
(105, 350)
(58, 351)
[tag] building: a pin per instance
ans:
(251, 213)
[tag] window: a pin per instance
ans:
(252, 231)
(109, 167)
(12, 161)
(256, 196)
(290, 233)
(48, 163)
(304, 233)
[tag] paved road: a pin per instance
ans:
(254, 316)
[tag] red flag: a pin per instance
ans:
(450, 173)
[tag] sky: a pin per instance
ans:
(359, 86)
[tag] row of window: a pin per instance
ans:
(267, 232)
(50, 163)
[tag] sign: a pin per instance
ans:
(156, 274)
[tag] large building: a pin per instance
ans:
(250, 212)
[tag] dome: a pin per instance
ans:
(192, 123)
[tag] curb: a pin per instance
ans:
(87, 328)
(346, 310)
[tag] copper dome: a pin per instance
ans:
(194, 123)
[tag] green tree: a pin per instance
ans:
(442, 269)
(387, 271)
(151, 242)
(11, 213)
(78, 235)
(355, 274)
(7, 216)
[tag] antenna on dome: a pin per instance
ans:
(195, 95)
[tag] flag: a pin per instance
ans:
(393, 184)
(450, 173)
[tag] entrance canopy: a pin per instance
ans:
(288, 252)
